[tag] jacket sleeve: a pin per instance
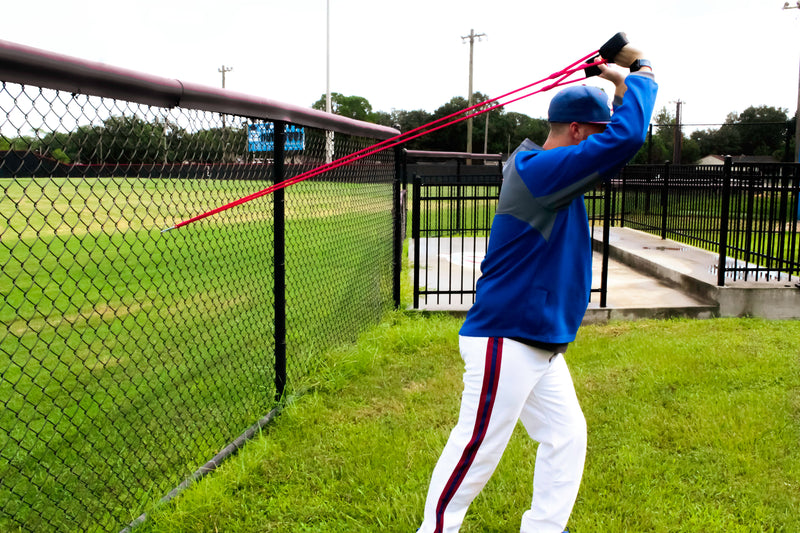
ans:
(558, 176)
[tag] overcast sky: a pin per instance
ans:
(716, 56)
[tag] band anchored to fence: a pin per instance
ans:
(581, 65)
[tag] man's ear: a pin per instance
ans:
(575, 133)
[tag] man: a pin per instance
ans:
(531, 298)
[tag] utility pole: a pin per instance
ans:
(224, 69)
(797, 113)
(486, 134)
(678, 144)
(472, 36)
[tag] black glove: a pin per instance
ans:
(613, 46)
(594, 70)
(618, 50)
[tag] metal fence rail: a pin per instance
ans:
(747, 213)
(128, 357)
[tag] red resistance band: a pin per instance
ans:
(560, 77)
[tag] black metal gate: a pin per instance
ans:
(453, 205)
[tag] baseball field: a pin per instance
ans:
(130, 357)
(128, 353)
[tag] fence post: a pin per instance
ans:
(785, 219)
(397, 233)
(723, 221)
(458, 196)
(623, 175)
(794, 183)
(415, 214)
(664, 200)
(279, 273)
(606, 242)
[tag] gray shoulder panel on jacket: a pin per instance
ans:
(516, 200)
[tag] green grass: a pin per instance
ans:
(693, 426)
(130, 357)
(114, 331)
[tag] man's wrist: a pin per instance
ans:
(639, 64)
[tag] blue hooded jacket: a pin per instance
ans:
(537, 274)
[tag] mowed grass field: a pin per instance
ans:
(130, 357)
(693, 426)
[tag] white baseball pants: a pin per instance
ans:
(506, 381)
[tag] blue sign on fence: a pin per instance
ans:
(261, 137)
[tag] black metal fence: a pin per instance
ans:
(132, 360)
(453, 205)
(452, 209)
(746, 212)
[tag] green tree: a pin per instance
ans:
(87, 144)
(690, 151)
(655, 150)
(790, 150)
(54, 145)
(214, 145)
(133, 140)
(381, 117)
(407, 121)
(513, 128)
(723, 141)
(660, 146)
(356, 107)
(755, 131)
(452, 138)
(763, 129)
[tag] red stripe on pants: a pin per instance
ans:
(491, 376)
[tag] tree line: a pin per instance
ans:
(506, 129)
(756, 131)
(133, 140)
(760, 130)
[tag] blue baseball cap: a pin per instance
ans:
(580, 103)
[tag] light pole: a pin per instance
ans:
(486, 134)
(328, 134)
(328, 57)
(797, 112)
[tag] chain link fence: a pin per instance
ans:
(130, 357)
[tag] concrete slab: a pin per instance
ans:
(648, 278)
(694, 272)
(632, 295)
(455, 266)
